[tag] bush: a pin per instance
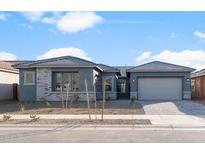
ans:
(132, 99)
(34, 118)
(6, 117)
(22, 106)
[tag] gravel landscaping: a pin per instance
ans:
(82, 122)
(111, 107)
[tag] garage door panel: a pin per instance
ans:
(160, 88)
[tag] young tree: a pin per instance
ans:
(103, 102)
(88, 102)
(95, 100)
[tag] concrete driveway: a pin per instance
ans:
(173, 107)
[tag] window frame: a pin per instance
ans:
(62, 81)
(112, 85)
(25, 77)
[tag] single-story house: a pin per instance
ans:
(50, 78)
(198, 84)
(9, 78)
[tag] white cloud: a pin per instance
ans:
(27, 26)
(69, 22)
(49, 20)
(33, 16)
(190, 58)
(75, 52)
(7, 56)
(3, 17)
(77, 21)
(200, 35)
(143, 56)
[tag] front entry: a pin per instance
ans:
(123, 88)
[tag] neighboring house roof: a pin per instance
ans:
(7, 66)
(107, 68)
(123, 70)
(198, 73)
(157, 66)
(65, 61)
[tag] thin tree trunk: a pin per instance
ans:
(103, 103)
(62, 95)
(71, 101)
(94, 86)
(88, 102)
(67, 95)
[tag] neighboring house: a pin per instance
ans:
(198, 84)
(49, 78)
(9, 78)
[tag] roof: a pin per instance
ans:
(157, 66)
(7, 66)
(107, 68)
(65, 61)
(123, 70)
(198, 73)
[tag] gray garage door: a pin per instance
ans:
(160, 88)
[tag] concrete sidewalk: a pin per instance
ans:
(157, 120)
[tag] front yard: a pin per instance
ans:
(111, 107)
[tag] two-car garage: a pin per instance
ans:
(160, 81)
(160, 88)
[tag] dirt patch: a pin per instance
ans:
(82, 122)
(111, 107)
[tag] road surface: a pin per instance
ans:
(105, 135)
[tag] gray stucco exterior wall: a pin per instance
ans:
(43, 84)
(26, 92)
(184, 75)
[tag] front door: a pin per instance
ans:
(123, 89)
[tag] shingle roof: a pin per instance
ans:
(157, 66)
(7, 66)
(107, 68)
(65, 61)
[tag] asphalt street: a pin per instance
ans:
(103, 135)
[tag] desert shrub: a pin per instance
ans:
(132, 99)
(34, 118)
(6, 117)
(22, 106)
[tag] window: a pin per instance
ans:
(108, 83)
(65, 81)
(29, 78)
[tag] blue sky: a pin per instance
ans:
(113, 38)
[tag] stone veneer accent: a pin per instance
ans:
(44, 88)
(187, 95)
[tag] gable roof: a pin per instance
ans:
(65, 61)
(107, 68)
(157, 66)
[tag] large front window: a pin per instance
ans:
(65, 81)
